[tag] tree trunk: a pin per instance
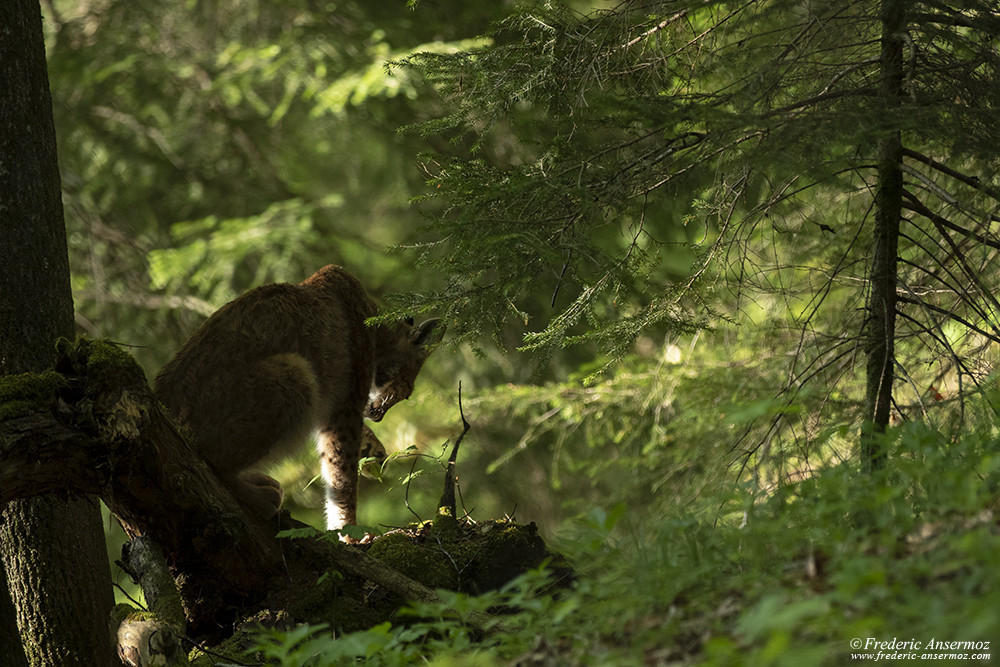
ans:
(881, 331)
(62, 588)
(52, 547)
(10, 640)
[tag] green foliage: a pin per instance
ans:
(302, 645)
(210, 147)
(667, 425)
(269, 241)
(595, 186)
(793, 581)
(635, 174)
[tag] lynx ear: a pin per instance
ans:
(428, 333)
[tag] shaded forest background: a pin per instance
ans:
(654, 264)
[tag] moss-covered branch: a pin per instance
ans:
(94, 426)
(97, 428)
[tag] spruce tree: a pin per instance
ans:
(634, 164)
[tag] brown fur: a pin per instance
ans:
(283, 361)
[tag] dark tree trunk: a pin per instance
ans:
(52, 546)
(10, 640)
(62, 588)
(881, 325)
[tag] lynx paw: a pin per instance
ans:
(261, 494)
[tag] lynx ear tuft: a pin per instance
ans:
(428, 333)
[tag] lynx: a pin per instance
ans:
(283, 361)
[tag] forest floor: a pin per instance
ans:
(836, 569)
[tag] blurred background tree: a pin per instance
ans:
(596, 184)
(209, 147)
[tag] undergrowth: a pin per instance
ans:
(813, 574)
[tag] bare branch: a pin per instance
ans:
(945, 195)
(145, 641)
(913, 203)
(949, 314)
(152, 301)
(971, 181)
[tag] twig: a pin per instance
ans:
(447, 507)
(406, 495)
(555, 292)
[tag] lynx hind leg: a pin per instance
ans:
(260, 493)
(292, 398)
(372, 454)
(266, 410)
(339, 450)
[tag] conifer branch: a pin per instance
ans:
(655, 29)
(959, 255)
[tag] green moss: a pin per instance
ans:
(419, 559)
(99, 360)
(27, 391)
(126, 612)
(336, 600)
(465, 556)
(235, 648)
(108, 357)
(506, 551)
(446, 526)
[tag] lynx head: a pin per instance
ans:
(397, 365)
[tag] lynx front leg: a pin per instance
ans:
(339, 450)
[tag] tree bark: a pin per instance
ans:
(10, 640)
(63, 608)
(52, 547)
(881, 333)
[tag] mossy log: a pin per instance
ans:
(93, 426)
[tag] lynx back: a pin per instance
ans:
(284, 361)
